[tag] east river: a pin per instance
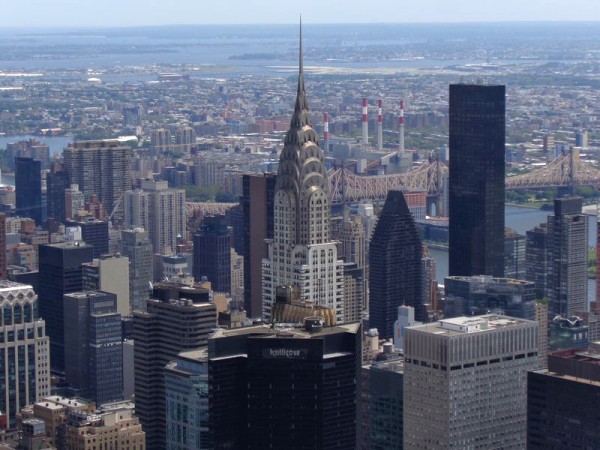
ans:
(521, 220)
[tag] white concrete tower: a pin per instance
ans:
(301, 252)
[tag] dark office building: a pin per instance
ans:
(382, 402)
(257, 208)
(395, 255)
(212, 253)
(178, 318)
(484, 294)
(536, 259)
(93, 346)
(284, 389)
(59, 274)
(28, 188)
(562, 402)
(476, 216)
(3, 262)
(57, 180)
(93, 232)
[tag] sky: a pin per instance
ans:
(119, 13)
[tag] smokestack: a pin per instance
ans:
(401, 138)
(379, 125)
(365, 123)
(326, 132)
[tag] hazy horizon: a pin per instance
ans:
(135, 13)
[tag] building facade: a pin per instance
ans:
(24, 350)
(465, 380)
(568, 257)
(93, 346)
(101, 167)
(136, 245)
(28, 187)
(59, 274)
(178, 318)
(212, 253)
(257, 210)
(395, 265)
(301, 253)
(562, 402)
(476, 216)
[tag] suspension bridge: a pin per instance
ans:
(567, 170)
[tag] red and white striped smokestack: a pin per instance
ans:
(401, 137)
(379, 125)
(326, 132)
(365, 122)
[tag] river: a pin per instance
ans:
(521, 220)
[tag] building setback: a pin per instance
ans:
(465, 382)
(476, 216)
(59, 274)
(395, 264)
(178, 318)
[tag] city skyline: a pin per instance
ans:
(85, 13)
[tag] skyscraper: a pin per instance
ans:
(3, 262)
(24, 350)
(282, 389)
(395, 255)
(562, 402)
(93, 345)
(212, 253)
(301, 253)
(109, 274)
(476, 217)
(28, 187)
(57, 180)
(163, 209)
(93, 232)
(536, 259)
(568, 254)
(101, 167)
(178, 318)
(60, 273)
(465, 381)
(136, 245)
(257, 209)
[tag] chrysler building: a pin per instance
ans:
(301, 253)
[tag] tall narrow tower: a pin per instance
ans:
(379, 125)
(401, 134)
(301, 253)
(365, 122)
(326, 132)
(476, 216)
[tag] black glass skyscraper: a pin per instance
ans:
(28, 187)
(395, 256)
(477, 137)
(60, 273)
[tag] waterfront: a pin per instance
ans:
(55, 143)
(521, 220)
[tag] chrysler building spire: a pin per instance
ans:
(301, 253)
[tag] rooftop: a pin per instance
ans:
(475, 324)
